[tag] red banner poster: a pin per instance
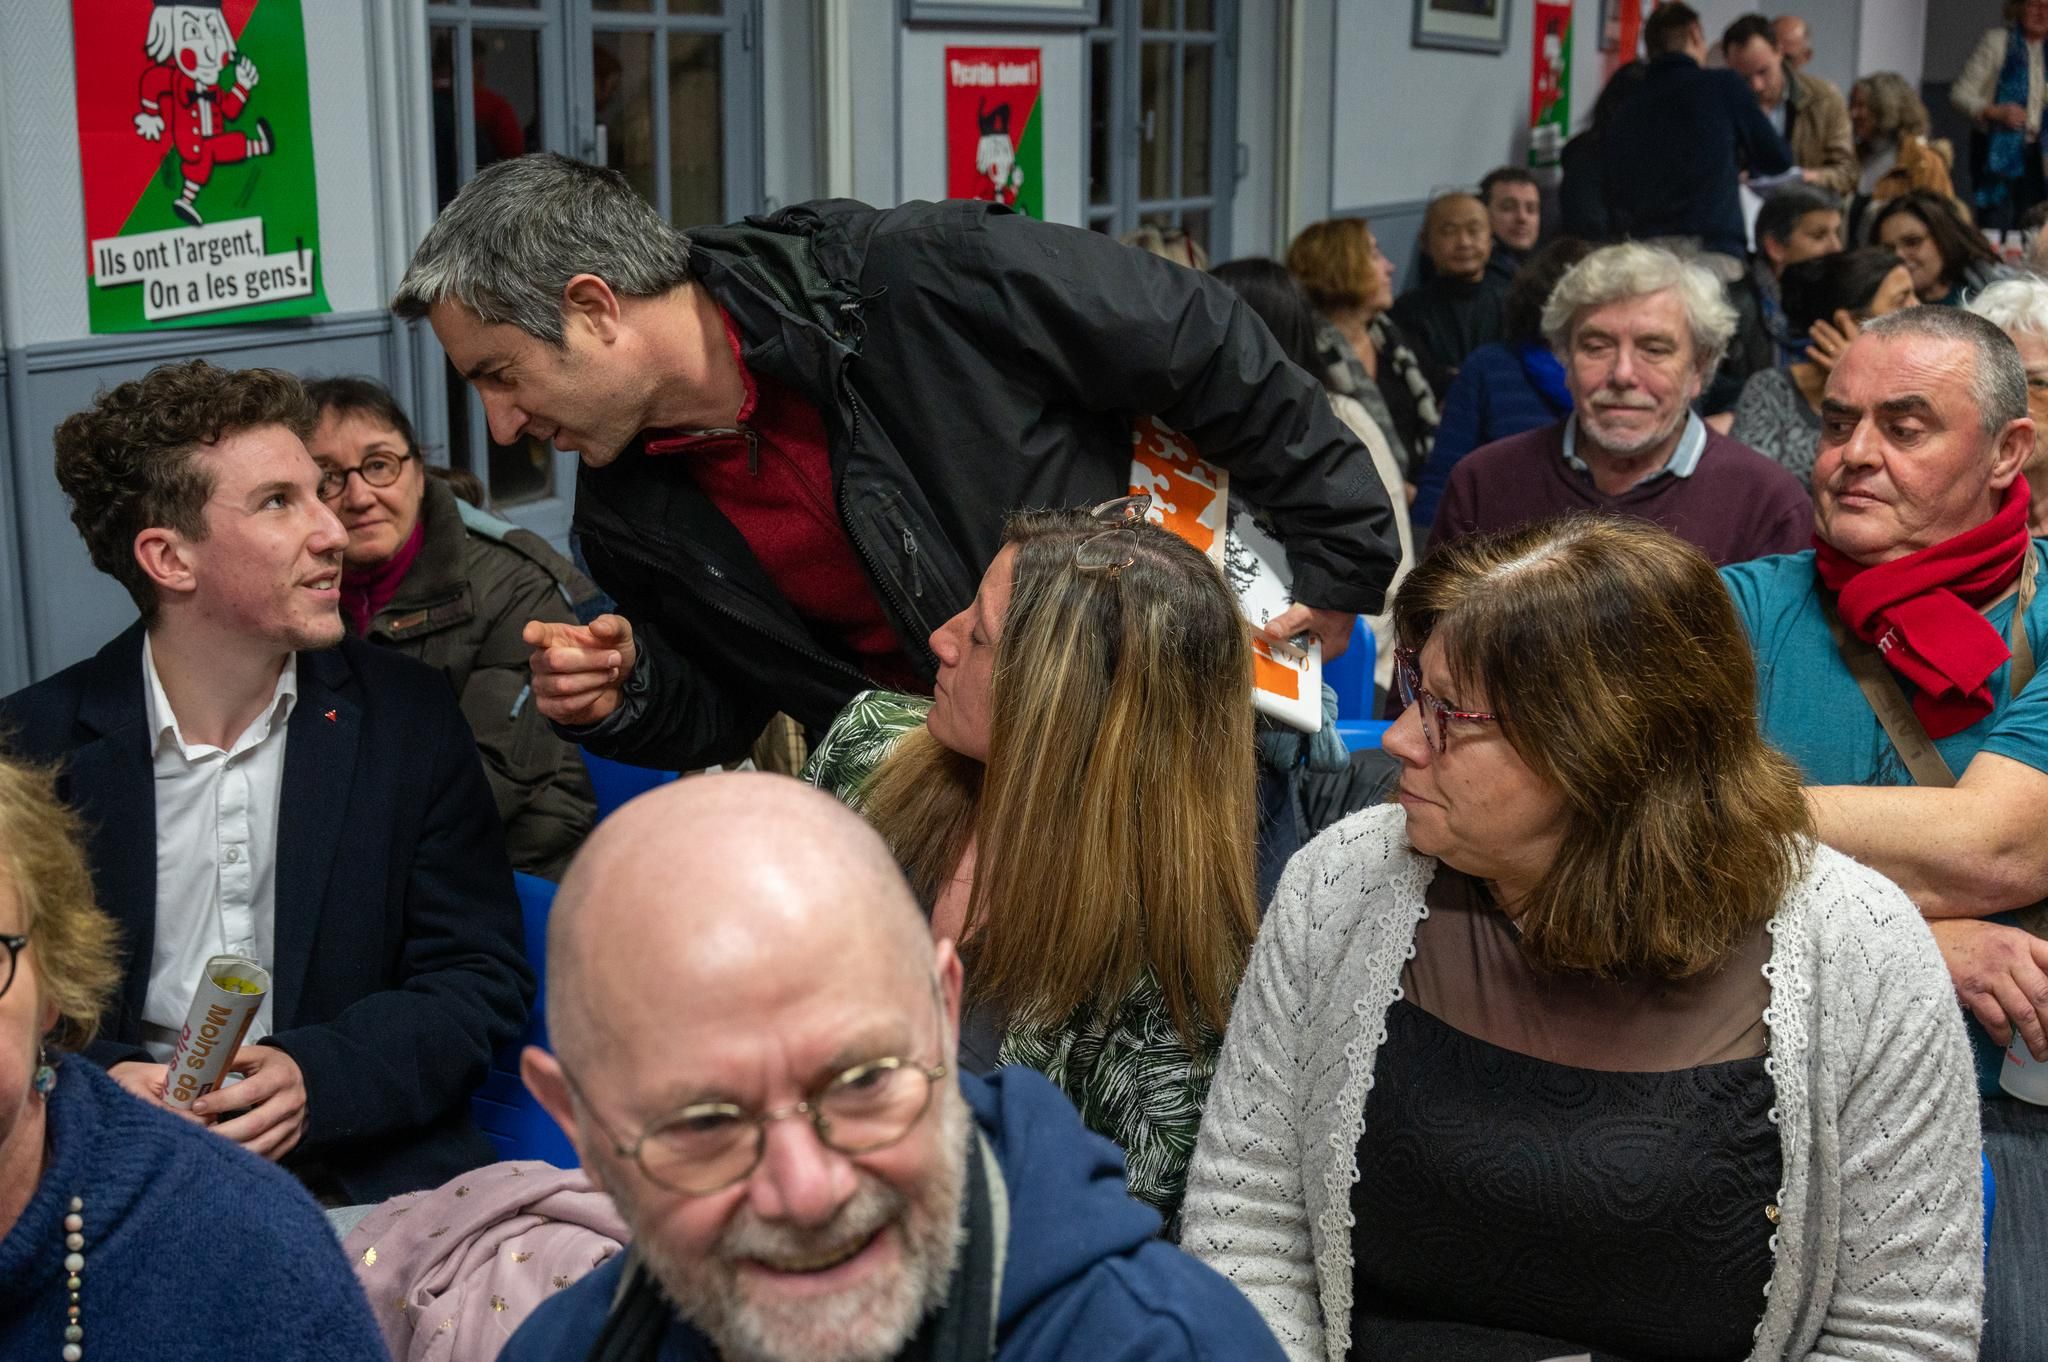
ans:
(1550, 82)
(993, 147)
(195, 139)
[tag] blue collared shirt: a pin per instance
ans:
(1681, 464)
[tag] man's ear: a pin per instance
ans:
(550, 1087)
(1773, 249)
(588, 301)
(165, 557)
(2015, 447)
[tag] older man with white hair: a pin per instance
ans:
(1640, 332)
(2019, 308)
(755, 1053)
(1893, 664)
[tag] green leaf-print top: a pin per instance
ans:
(1126, 1069)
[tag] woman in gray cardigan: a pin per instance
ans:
(1586, 1047)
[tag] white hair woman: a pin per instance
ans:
(2019, 308)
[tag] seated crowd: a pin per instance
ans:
(1652, 990)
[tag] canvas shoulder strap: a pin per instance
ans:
(1881, 690)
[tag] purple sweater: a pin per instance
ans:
(1737, 504)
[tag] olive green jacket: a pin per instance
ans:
(461, 608)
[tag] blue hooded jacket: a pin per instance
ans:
(1085, 1278)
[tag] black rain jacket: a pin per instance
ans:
(967, 362)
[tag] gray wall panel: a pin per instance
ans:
(71, 609)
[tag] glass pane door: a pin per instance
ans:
(672, 103)
(500, 90)
(1161, 124)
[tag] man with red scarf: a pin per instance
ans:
(1922, 556)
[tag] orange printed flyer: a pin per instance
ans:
(1191, 497)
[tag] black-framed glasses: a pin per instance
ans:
(14, 945)
(379, 470)
(1436, 715)
(710, 1146)
(1116, 548)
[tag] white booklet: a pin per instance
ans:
(1191, 497)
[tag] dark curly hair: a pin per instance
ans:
(128, 462)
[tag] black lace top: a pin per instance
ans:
(1511, 1209)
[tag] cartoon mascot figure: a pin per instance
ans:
(995, 155)
(190, 46)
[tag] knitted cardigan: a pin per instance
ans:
(1879, 1251)
(194, 1249)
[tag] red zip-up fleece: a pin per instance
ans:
(778, 493)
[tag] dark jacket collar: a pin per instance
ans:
(113, 767)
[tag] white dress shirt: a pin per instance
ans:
(216, 852)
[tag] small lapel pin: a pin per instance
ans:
(329, 716)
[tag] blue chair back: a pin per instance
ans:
(1990, 1201)
(509, 1116)
(614, 782)
(1351, 675)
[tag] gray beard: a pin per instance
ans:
(872, 1325)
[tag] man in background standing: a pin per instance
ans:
(1805, 110)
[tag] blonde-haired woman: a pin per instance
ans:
(116, 1218)
(1586, 1047)
(1365, 355)
(1075, 806)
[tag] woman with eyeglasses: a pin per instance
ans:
(438, 579)
(1074, 806)
(1585, 1045)
(127, 1232)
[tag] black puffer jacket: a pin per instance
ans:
(967, 362)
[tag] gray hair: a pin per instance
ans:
(1998, 380)
(2014, 305)
(1635, 270)
(515, 236)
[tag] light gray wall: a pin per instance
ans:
(1894, 38)
(792, 169)
(1260, 49)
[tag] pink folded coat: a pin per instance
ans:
(451, 1272)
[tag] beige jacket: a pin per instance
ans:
(1818, 130)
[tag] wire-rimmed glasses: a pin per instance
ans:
(1116, 548)
(1408, 671)
(710, 1146)
(379, 470)
(15, 945)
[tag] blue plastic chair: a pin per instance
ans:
(1351, 675)
(509, 1116)
(614, 782)
(1990, 1201)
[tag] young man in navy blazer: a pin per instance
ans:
(257, 783)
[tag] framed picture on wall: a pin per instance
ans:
(1462, 25)
(1006, 13)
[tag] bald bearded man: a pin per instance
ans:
(755, 1042)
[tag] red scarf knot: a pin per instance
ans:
(1923, 612)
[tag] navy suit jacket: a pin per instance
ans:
(1671, 156)
(399, 965)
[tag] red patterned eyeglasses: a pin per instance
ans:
(1408, 672)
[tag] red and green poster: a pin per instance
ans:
(196, 141)
(993, 147)
(1550, 82)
